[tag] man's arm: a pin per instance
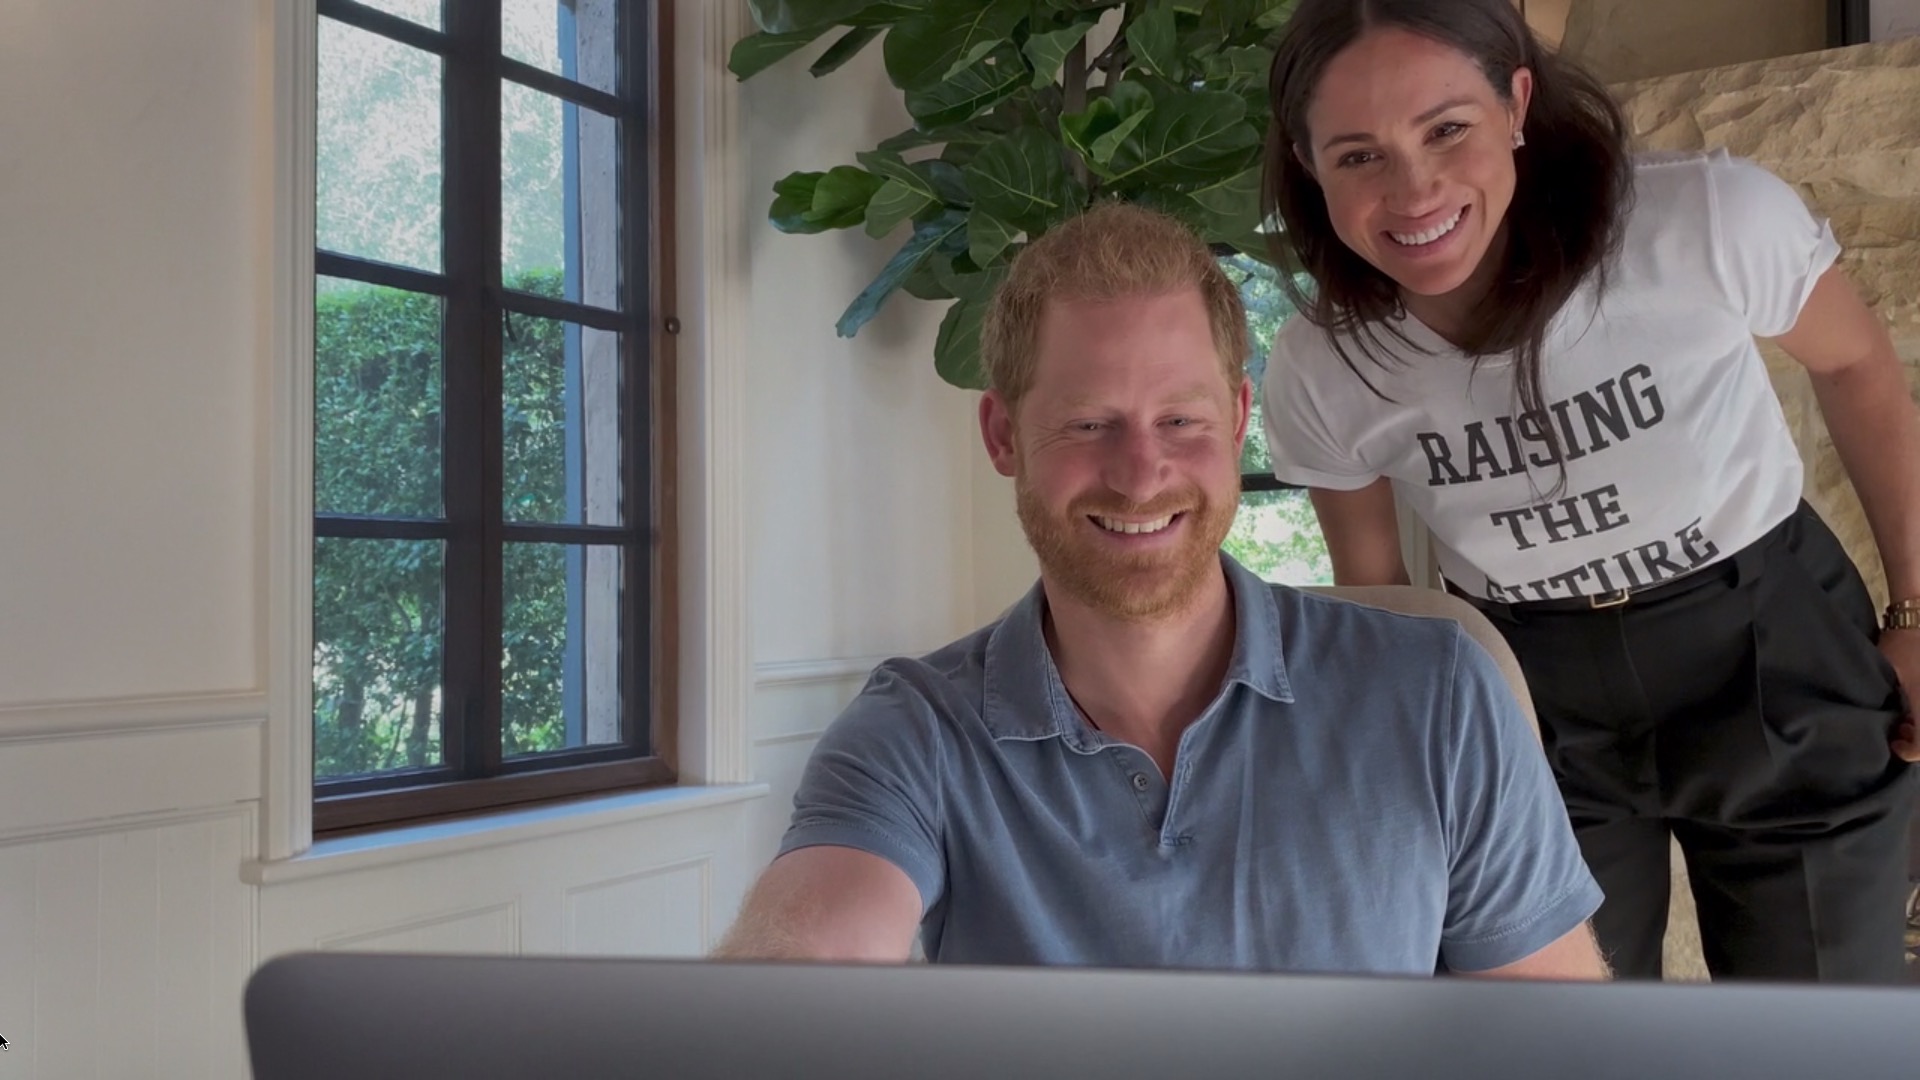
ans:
(1520, 893)
(1575, 956)
(827, 903)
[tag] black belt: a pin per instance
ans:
(1741, 565)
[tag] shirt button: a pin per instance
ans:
(1139, 781)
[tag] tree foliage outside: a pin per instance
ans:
(1275, 533)
(379, 612)
(377, 169)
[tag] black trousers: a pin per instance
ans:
(1744, 710)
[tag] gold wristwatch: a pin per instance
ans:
(1902, 615)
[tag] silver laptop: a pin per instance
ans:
(366, 1015)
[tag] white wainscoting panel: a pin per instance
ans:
(678, 901)
(794, 702)
(494, 928)
(660, 885)
(123, 950)
(49, 782)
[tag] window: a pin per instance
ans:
(489, 381)
(1275, 533)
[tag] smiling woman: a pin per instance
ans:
(1545, 347)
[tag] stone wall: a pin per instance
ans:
(1843, 127)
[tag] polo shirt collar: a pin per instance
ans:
(1026, 700)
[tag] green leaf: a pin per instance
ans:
(1022, 179)
(1151, 37)
(949, 183)
(787, 16)
(968, 284)
(933, 182)
(840, 198)
(756, 53)
(1223, 212)
(1047, 52)
(1188, 138)
(1222, 21)
(894, 203)
(843, 50)
(954, 135)
(1237, 68)
(1274, 14)
(947, 230)
(948, 37)
(1105, 146)
(884, 15)
(1126, 104)
(987, 236)
(793, 202)
(979, 87)
(890, 166)
(956, 349)
(927, 282)
(1256, 246)
(1231, 205)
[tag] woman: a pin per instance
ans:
(1546, 348)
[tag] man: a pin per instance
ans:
(1156, 759)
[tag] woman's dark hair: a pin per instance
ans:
(1570, 200)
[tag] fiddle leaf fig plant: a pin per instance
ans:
(1016, 128)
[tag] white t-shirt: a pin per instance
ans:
(1678, 454)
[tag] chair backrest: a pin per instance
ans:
(1414, 600)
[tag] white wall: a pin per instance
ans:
(130, 350)
(136, 214)
(866, 538)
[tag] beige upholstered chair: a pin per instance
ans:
(1683, 958)
(1414, 600)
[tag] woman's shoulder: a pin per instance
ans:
(1698, 181)
(1303, 343)
(1305, 353)
(1299, 340)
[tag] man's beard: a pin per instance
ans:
(1137, 587)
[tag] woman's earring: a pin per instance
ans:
(1519, 139)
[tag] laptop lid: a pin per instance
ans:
(388, 1015)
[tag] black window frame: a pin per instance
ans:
(473, 776)
(1849, 22)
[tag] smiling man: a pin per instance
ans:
(1156, 759)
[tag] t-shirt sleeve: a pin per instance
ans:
(1770, 248)
(1517, 882)
(873, 784)
(1301, 442)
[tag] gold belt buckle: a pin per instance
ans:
(1609, 600)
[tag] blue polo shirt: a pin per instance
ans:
(1363, 795)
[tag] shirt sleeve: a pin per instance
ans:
(1770, 249)
(873, 783)
(1300, 439)
(1516, 882)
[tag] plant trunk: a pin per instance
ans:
(1073, 99)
